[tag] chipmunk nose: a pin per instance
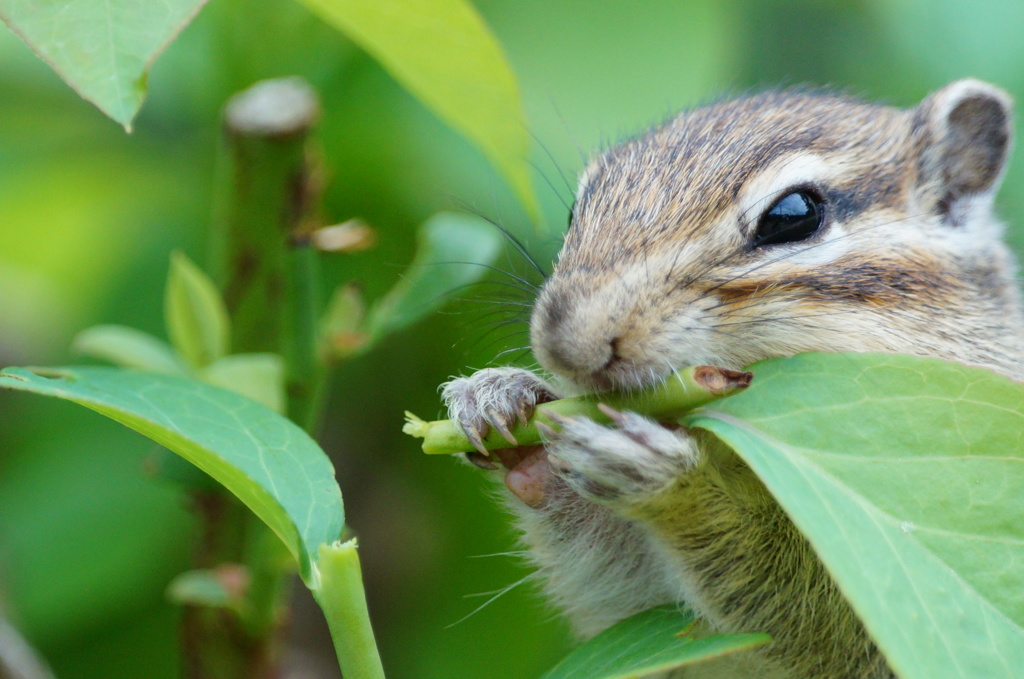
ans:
(573, 336)
(568, 356)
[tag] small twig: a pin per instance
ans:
(678, 394)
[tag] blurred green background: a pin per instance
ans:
(88, 216)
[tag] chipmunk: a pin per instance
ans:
(759, 227)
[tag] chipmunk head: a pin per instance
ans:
(781, 223)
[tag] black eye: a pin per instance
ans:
(794, 217)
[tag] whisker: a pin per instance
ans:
(568, 132)
(511, 237)
(490, 267)
(499, 340)
(513, 553)
(499, 594)
(511, 351)
(551, 186)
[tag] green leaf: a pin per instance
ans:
(653, 641)
(102, 48)
(269, 463)
(443, 52)
(129, 348)
(907, 476)
(453, 251)
(197, 321)
(257, 376)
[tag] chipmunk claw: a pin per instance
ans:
(500, 422)
(475, 433)
(548, 433)
(625, 464)
(560, 420)
(494, 398)
(481, 460)
(611, 413)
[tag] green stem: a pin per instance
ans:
(677, 395)
(341, 596)
(269, 200)
(305, 372)
(271, 280)
(216, 643)
(269, 193)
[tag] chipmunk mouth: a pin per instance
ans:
(602, 349)
(621, 375)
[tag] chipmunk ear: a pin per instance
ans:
(962, 136)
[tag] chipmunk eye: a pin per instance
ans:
(794, 217)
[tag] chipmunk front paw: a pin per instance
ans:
(494, 397)
(624, 464)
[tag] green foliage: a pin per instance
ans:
(129, 348)
(102, 49)
(453, 251)
(262, 458)
(656, 640)
(258, 376)
(444, 53)
(905, 475)
(441, 50)
(197, 321)
(85, 570)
